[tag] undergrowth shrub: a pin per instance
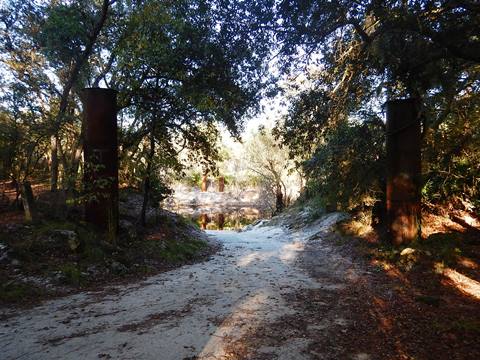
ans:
(347, 171)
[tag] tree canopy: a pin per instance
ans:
(183, 68)
(358, 54)
(180, 68)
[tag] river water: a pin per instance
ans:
(213, 210)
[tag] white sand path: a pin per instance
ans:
(196, 310)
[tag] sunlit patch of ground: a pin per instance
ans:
(419, 301)
(463, 283)
(244, 317)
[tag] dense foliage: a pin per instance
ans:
(183, 67)
(357, 55)
(348, 168)
(180, 69)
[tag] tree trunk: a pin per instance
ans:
(74, 168)
(204, 221)
(28, 201)
(53, 163)
(279, 204)
(64, 172)
(71, 171)
(221, 221)
(147, 181)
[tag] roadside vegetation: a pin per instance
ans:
(335, 127)
(54, 256)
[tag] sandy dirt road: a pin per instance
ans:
(200, 311)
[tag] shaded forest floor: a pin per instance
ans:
(414, 302)
(57, 254)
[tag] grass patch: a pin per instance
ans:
(72, 275)
(15, 292)
(93, 254)
(187, 221)
(358, 226)
(317, 209)
(177, 251)
(46, 250)
(440, 248)
(36, 240)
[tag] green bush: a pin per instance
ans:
(451, 155)
(13, 291)
(72, 274)
(347, 171)
(194, 179)
(176, 251)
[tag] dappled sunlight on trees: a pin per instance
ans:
(358, 55)
(371, 249)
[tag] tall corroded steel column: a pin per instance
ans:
(204, 187)
(403, 170)
(204, 221)
(221, 184)
(221, 221)
(101, 159)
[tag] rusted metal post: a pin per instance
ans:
(220, 221)
(221, 184)
(403, 170)
(204, 183)
(101, 159)
(204, 221)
